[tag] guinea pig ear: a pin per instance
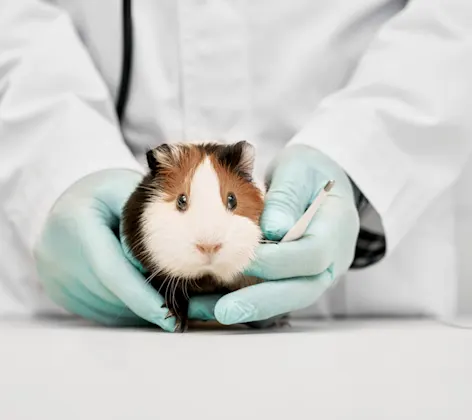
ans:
(247, 157)
(160, 157)
(239, 157)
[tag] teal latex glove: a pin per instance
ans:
(80, 260)
(298, 272)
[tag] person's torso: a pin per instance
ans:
(228, 70)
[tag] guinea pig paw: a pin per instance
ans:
(268, 241)
(181, 325)
(283, 322)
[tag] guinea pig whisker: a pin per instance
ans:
(185, 290)
(149, 279)
(174, 290)
(194, 283)
(168, 284)
(162, 285)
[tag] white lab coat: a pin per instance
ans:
(383, 88)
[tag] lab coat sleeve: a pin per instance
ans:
(57, 119)
(402, 125)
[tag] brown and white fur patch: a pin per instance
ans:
(194, 219)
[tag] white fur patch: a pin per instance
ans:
(173, 235)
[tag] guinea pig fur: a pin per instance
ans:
(193, 221)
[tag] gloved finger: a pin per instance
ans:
(125, 281)
(332, 230)
(270, 299)
(91, 281)
(75, 275)
(74, 234)
(202, 307)
(81, 303)
(311, 254)
(113, 189)
(292, 189)
(81, 293)
(306, 257)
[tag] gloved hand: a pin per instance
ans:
(299, 272)
(81, 262)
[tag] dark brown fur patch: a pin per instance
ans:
(232, 157)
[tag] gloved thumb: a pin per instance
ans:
(291, 190)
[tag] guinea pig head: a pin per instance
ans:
(197, 211)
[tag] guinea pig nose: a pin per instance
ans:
(208, 248)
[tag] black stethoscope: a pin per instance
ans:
(126, 60)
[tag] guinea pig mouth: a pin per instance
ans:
(209, 268)
(217, 270)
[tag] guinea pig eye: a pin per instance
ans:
(182, 202)
(231, 201)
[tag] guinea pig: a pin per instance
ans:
(193, 221)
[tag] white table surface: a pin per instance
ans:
(361, 369)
